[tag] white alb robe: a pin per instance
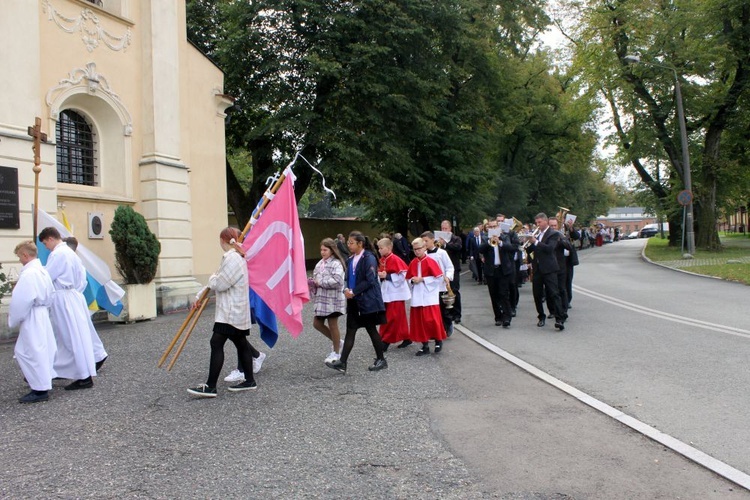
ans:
(444, 261)
(29, 309)
(96, 342)
(70, 318)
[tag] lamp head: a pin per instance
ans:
(632, 58)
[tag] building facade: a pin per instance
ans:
(134, 115)
(627, 219)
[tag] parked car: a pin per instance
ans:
(650, 230)
(632, 235)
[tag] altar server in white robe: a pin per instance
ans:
(100, 355)
(29, 310)
(70, 317)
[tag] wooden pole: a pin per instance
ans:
(204, 297)
(39, 136)
(187, 336)
(259, 210)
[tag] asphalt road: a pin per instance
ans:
(462, 424)
(665, 347)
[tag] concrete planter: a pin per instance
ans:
(139, 303)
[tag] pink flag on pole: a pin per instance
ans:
(275, 253)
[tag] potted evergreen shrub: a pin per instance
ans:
(136, 258)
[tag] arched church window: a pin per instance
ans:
(76, 149)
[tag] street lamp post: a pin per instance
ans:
(686, 175)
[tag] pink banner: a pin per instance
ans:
(275, 254)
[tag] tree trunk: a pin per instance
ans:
(706, 234)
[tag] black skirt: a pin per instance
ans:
(355, 320)
(229, 331)
(332, 315)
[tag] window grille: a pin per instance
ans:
(76, 150)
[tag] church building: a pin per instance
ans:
(134, 115)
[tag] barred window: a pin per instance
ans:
(76, 150)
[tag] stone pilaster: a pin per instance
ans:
(164, 183)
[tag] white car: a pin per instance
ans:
(632, 235)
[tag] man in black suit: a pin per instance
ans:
(499, 267)
(545, 271)
(473, 241)
(571, 261)
(561, 254)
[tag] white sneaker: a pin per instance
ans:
(235, 376)
(258, 362)
(334, 356)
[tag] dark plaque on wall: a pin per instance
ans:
(9, 218)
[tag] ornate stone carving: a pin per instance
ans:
(95, 84)
(87, 22)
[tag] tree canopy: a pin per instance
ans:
(702, 45)
(414, 109)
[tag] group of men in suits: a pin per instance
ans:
(496, 262)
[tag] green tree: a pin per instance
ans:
(406, 106)
(703, 43)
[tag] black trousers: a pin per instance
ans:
(569, 284)
(497, 285)
(456, 287)
(217, 356)
(546, 285)
(562, 286)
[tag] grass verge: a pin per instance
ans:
(658, 250)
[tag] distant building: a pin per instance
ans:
(628, 219)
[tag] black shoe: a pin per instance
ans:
(202, 391)
(506, 324)
(438, 346)
(424, 350)
(570, 306)
(550, 316)
(380, 364)
(457, 320)
(244, 386)
(100, 363)
(405, 343)
(498, 323)
(513, 313)
(559, 325)
(541, 322)
(386, 345)
(337, 365)
(34, 397)
(85, 383)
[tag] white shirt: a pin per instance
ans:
(444, 261)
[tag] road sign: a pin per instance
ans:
(685, 197)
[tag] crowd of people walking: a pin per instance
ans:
(371, 284)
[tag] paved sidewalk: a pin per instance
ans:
(687, 263)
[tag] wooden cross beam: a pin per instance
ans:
(39, 137)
